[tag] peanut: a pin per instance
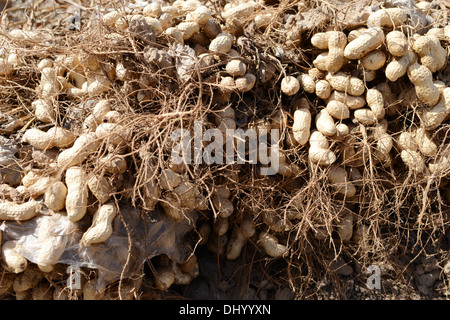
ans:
(222, 203)
(396, 43)
(319, 151)
(374, 60)
(100, 187)
(97, 115)
(430, 51)
(290, 85)
(376, 112)
(12, 260)
(77, 193)
(55, 196)
(369, 40)
(422, 78)
(302, 125)
(238, 238)
(54, 137)
(352, 102)
(221, 44)
(389, 17)
(20, 212)
(399, 66)
(433, 117)
(83, 147)
(339, 181)
(338, 110)
(101, 228)
(335, 42)
(271, 246)
(325, 123)
(43, 110)
(345, 83)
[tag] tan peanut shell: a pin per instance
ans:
(369, 40)
(245, 83)
(43, 110)
(84, 145)
(174, 35)
(111, 18)
(424, 142)
(12, 260)
(384, 141)
(236, 68)
(39, 186)
(238, 239)
(307, 83)
(152, 9)
(113, 164)
(388, 17)
(302, 125)
(290, 85)
(271, 246)
(338, 110)
(323, 89)
(100, 187)
(201, 15)
(399, 66)
(54, 137)
(8, 65)
(101, 228)
(396, 43)
(325, 123)
(375, 101)
(240, 11)
(340, 182)
(188, 29)
(432, 54)
(221, 44)
(414, 160)
(365, 116)
(222, 203)
(422, 78)
(352, 102)
(55, 196)
(319, 151)
(433, 117)
(320, 61)
(340, 81)
(374, 60)
(341, 130)
(77, 193)
(335, 42)
(13, 211)
(98, 112)
(49, 85)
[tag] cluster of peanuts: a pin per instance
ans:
(353, 101)
(342, 81)
(66, 187)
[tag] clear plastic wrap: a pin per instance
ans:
(136, 238)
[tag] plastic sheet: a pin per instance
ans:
(135, 239)
(42, 240)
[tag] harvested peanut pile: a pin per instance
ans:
(224, 149)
